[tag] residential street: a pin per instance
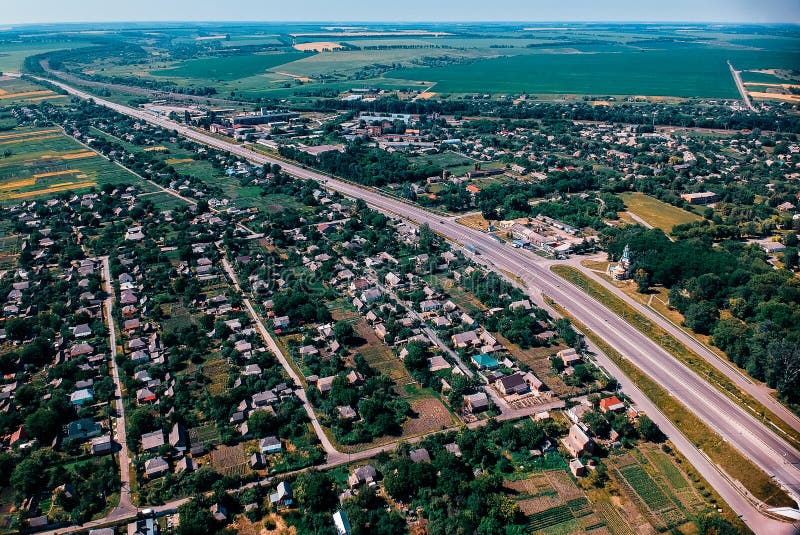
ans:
(753, 438)
(125, 506)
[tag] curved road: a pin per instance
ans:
(736, 426)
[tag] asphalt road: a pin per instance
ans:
(744, 432)
(759, 391)
(737, 77)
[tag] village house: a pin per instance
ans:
(270, 445)
(178, 438)
(611, 404)
(465, 339)
(569, 357)
(577, 442)
(420, 455)
(513, 384)
(100, 445)
(156, 467)
(152, 441)
(477, 402)
(282, 496)
(364, 475)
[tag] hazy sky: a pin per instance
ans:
(23, 11)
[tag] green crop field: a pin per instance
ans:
(650, 493)
(229, 68)
(15, 91)
(680, 72)
(659, 214)
(43, 162)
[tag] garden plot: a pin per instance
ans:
(230, 460)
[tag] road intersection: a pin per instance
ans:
(750, 436)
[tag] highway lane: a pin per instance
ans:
(759, 391)
(751, 437)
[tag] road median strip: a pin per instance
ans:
(677, 349)
(723, 454)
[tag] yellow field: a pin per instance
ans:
(48, 97)
(318, 46)
(173, 161)
(22, 183)
(28, 134)
(658, 214)
(155, 149)
(78, 155)
(25, 94)
(55, 188)
(3, 92)
(426, 95)
(56, 173)
(474, 221)
(304, 79)
(25, 182)
(23, 140)
(775, 96)
(766, 84)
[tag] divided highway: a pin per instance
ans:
(734, 424)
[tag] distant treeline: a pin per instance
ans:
(686, 115)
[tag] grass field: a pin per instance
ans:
(17, 91)
(43, 162)
(229, 68)
(680, 72)
(12, 55)
(659, 214)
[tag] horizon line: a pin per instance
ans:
(516, 22)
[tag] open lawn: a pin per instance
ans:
(18, 91)
(381, 357)
(657, 213)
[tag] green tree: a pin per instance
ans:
(262, 423)
(44, 425)
(597, 423)
(648, 429)
(315, 491)
(701, 317)
(343, 331)
(196, 519)
(32, 473)
(789, 258)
